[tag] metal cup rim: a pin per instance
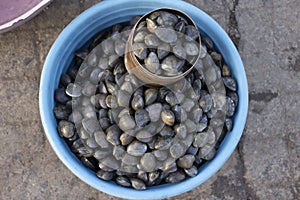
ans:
(144, 74)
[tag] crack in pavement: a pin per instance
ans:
(233, 27)
(249, 192)
(235, 35)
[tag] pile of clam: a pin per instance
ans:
(166, 44)
(140, 135)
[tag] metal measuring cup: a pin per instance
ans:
(134, 66)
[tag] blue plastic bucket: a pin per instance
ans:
(104, 15)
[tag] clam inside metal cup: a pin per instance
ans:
(134, 66)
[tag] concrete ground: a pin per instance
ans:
(266, 164)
